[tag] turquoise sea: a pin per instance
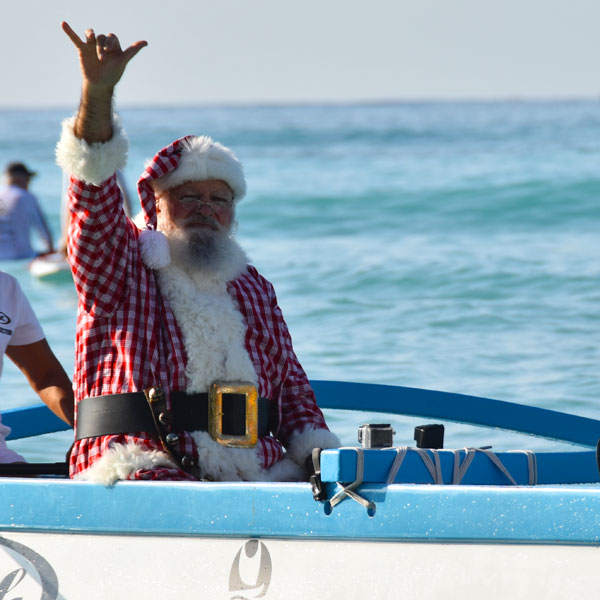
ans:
(448, 246)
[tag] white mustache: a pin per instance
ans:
(202, 220)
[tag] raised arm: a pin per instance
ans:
(101, 240)
(102, 64)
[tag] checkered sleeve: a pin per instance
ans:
(101, 242)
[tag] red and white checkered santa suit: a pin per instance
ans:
(128, 338)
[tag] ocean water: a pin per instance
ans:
(447, 246)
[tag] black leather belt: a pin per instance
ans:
(127, 413)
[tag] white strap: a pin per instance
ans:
(434, 467)
(498, 463)
(531, 466)
(398, 459)
(348, 490)
(459, 472)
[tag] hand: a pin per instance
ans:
(102, 59)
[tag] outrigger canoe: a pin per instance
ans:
(394, 522)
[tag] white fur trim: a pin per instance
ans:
(212, 327)
(154, 249)
(286, 470)
(301, 443)
(122, 460)
(92, 163)
(202, 159)
(240, 464)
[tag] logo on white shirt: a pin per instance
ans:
(5, 320)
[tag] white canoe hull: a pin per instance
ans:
(73, 567)
(75, 540)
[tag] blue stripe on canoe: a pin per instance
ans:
(403, 512)
(459, 408)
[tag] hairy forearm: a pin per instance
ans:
(94, 117)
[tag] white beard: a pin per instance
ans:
(203, 251)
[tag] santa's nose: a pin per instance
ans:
(205, 209)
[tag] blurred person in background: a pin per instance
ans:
(20, 215)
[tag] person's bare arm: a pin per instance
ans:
(102, 64)
(46, 377)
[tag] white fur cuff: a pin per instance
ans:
(92, 163)
(154, 249)
(121, 461)
(302, 443)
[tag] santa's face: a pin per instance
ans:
(197, 205)
(197, 217)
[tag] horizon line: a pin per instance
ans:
(514, 98)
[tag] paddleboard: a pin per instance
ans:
(51, 267)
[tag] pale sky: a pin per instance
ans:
(308, 51)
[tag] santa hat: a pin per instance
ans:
(201, 158)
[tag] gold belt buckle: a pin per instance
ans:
(215, 413)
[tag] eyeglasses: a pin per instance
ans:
(217, 204)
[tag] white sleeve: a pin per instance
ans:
(27, 328)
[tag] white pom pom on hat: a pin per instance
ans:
(154, 249)
(201, 159)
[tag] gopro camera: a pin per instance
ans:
(376, 435)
